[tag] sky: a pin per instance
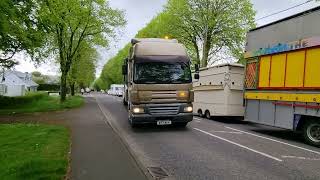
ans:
(139, 12)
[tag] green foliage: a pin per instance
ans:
(82, 72)
(49, 87)
(111, 73)
(37, 102)
(36, 74)
(39, 78)
(19, 30)
(33, 151)
(7, 102)
(210, 27)
(204, 27)
(156, 28)
(100, 84)
(72, 24)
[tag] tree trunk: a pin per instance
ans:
(206, 50)
(205, 54)
(72, 88)
(195, 45)
(63, 86)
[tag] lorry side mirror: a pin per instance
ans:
(196, 67)
(124, 70)
(196, 76)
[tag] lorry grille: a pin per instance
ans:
(164, 95)
(164, 110)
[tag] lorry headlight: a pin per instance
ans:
(188, 109)
(138, 110)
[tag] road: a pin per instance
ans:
(215, 149)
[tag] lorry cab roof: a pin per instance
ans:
(138, 40)
(159, 48)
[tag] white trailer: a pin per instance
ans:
(116, 89)
(219, 91)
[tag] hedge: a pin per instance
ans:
(6, 102)
(49, 87)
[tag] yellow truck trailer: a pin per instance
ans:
(282, 76)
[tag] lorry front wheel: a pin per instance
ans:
(132, 124)
(311, 132)
(124, 102)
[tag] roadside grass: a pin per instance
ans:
(37, 102)
(33, 151)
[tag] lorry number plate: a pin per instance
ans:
(164, 122)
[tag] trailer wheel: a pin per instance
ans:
(200, 114)
(311, 132)
(207, 114)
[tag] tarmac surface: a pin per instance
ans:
(104, 146)
(97, 151)
(215, 149)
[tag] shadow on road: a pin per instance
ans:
(281, 134)
(263, 130)
(147, 128)
(230, 120)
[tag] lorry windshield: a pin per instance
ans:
(162, 73)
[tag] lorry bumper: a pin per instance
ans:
(151, 119)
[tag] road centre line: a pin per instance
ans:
(301, 158)
(230, 132)
(302, 148)
(242, 146)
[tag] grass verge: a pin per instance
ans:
(33, 151)
(39, 102)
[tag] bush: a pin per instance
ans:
(49, 87)
(6, 102)
(39, 102)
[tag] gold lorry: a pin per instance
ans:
(158, 83)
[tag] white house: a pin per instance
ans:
(15, 83)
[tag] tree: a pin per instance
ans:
(209, 27)
(111, 72)
(19, 30)
(39, 78)
(70, 23)
(82, 72)
(99, 84)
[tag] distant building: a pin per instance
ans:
(15, 83)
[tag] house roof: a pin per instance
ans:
(25, 77)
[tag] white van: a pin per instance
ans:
(219, 91)
(116, 89)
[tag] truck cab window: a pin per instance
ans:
(162, 72)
